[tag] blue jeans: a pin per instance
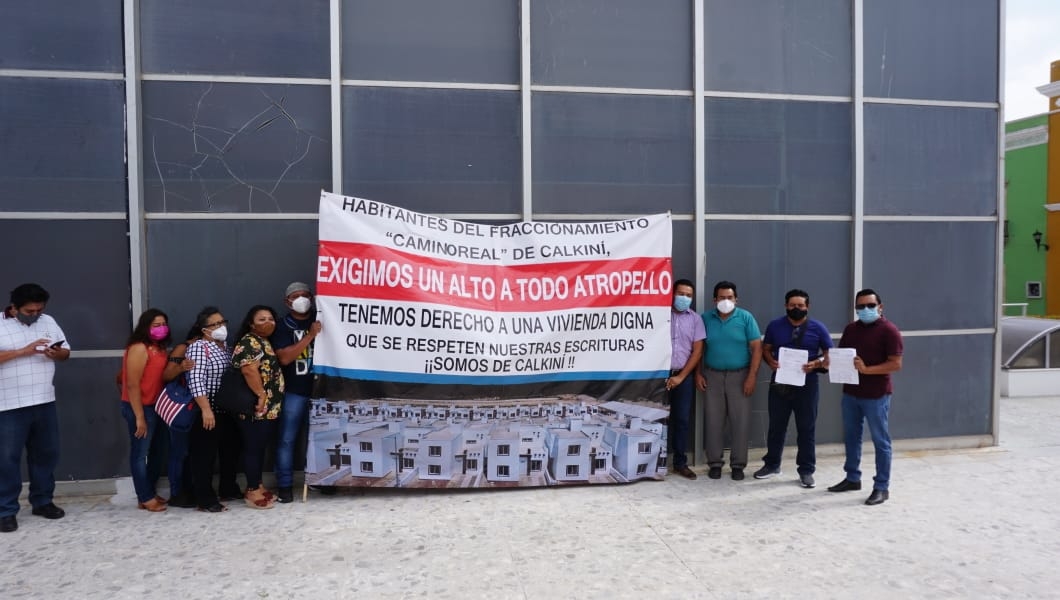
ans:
(802, 401)
(178, 452)
(293, 416)
(139, 449)
(680, 415)
(875, 412)
(35, 428)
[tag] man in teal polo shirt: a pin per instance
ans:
(727, 373)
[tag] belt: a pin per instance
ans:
(675, 371)
(728, 370)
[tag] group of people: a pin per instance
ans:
(274, 356)
(720, 352)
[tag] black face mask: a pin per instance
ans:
(797, 314)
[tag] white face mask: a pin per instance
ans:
(301, 305)
(726, 306)
(220, 334)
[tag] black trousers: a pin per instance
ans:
(256, 434)
(221, 443)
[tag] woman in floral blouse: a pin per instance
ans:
(254, 356)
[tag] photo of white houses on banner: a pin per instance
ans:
(461, 354)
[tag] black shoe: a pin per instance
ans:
(767, 472)
(737, 474)
(878, 497)
(806, 479)
(49, 511)
(685, 472)
(714, 473)
(846, 486)
(285, 495)
(327, 490)
(8, 524)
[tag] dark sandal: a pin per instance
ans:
(216, 508)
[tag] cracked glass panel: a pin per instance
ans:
(612, 43)
(84, 265)
(938, 50)
(470, 41)
(778, 157)
(62, 145)
(433, 150)
(934, 275)
(797, 46)
(930, 160)
(61, 35)
(765, 259)
(237, 264)
(608, 153)
(234, 147)
(269, 38)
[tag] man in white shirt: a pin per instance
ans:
(30, 343)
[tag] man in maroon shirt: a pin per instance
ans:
(879, 353)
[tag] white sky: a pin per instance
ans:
(1032, 42)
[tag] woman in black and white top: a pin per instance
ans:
(214, 433)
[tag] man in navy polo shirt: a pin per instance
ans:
(794, 330)
(728, 374)
(879, 353)
(686, 339)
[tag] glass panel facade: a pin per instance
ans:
(269, 38)
(234, 147)
(945, 387)
(84, 265)
(470, 41)
(597, 153)
(938, 50)
(62, 35)
(777, 157)
(933, 275)
(62, 145)
(1031, 358)
(612, 43)
(237, 264)
(930, 160)
(799, 46)
(433, 150)
(765, 259)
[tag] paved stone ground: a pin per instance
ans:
(960, 524)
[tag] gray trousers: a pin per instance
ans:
(725, 398)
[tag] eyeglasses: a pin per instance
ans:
(217, 324)
(866, 305)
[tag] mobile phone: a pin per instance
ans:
(58, 344)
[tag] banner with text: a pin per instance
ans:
(534, 330)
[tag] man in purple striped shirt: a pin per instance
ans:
(686, 338)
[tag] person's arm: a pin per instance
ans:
(690, 366)
(288, 354)
(197, 384)
(177, 363)
(755, 346)
(135, 361)
(28, 350)
(247, 357)
(767, 356)
(891, 365)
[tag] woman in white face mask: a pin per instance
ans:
(214, 434)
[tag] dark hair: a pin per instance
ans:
(796, 292)
(868, 292)
(201, 321)
(142, 333)
(684, 282)
(244, 327)
(27, 293)
(725, 285)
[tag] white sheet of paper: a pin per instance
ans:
(789, 369)
(841, 366)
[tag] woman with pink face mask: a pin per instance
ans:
(141, 381)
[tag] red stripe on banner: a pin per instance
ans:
(369, 271)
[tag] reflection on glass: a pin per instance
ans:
(1031, 358)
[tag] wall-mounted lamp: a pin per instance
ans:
(1006, 231)
(1038, 241)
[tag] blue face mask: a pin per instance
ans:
(681, 303)
(868, 315)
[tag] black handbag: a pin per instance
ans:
(234, 395)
